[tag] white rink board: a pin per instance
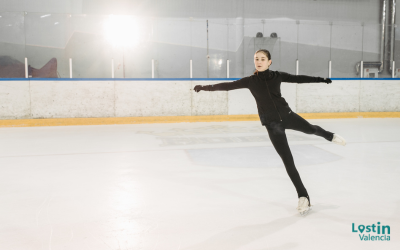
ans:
(71, 99)
(241, 102)
(14, 100)
(152, 98)
(380, 96)
(125, 98)
(340, 96)
(209, 102)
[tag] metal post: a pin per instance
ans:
(227, 68)
(362, 69)
(26, 67)
(191, 71)
(330, 69)
(393, 69)
(208, 56)
(112, 68)
(297, 67)
(383, 34)
(152, 68)
(70, 68)
(123, 64)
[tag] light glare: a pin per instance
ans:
(122, 30)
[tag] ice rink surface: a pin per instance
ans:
(208, 186)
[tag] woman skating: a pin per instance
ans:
(276, 115)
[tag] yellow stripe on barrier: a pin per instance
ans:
(178, 119)
(350, 115)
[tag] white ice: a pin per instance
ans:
(193, 186)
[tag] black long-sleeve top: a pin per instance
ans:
(266, 89)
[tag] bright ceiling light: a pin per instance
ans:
(122, 30)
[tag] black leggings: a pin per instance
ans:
(276, 131)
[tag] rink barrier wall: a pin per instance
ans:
(71, 101)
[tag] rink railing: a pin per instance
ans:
(147, 100)
(359, 71)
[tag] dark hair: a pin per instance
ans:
(266, 53)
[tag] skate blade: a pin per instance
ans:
(305, 212)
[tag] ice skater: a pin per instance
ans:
(276, 115)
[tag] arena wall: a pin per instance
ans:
(91, 98)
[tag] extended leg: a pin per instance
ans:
(278, 138)
(296, 122)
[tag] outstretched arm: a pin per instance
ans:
(225, 86)
(302, 78)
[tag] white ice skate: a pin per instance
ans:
(304, 206)
(338, 140)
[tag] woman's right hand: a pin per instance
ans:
(327, 80)
(197, 88)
